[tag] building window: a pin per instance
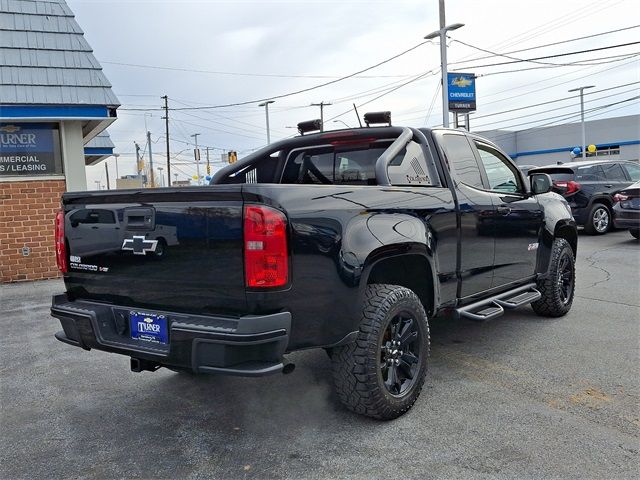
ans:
(605, 151)
(29, 149)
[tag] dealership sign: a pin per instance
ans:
(28, 149)
(462, 91)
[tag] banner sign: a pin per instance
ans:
(462, 91)
(29, 149)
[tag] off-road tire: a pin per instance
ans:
(590, 225)
(554, 303)
(357, 373)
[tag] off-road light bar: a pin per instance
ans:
(310, 126)
(377, 117)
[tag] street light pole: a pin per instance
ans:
(116, 155)
(342, 122)
(266, 112)
(584, 136)
(442, 33)
(196, 154)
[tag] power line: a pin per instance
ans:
(577, 52)
(578, 63)
(555, 101)
(551, 109)
(422, 75)
(505, 55)
(560, 22)
(308, 89)
(565, 117)
(239, 74)
(537, 46)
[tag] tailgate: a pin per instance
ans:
(173, 249)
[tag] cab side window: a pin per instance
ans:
(500, 173)
(462, 160)
(614, 171)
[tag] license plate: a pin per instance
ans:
(149, 327)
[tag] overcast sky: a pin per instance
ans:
(267, 48)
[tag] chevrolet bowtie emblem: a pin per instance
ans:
(139, 245)
(9, 129)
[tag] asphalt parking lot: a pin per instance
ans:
(518, 397)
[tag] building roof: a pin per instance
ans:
(45, 58)
(98, 148)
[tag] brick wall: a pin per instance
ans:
(27, 215)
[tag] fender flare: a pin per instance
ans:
(397, 251)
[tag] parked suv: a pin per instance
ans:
(589, 188)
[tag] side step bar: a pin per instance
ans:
(493, 307)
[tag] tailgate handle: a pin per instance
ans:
(140, 218)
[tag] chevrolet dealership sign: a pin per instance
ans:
(462, 91)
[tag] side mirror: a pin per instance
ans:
(74, 223)
(540, 183)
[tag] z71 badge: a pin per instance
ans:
(139, 245)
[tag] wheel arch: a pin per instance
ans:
(569, 233)
(603, 199)
(406, 265)
(566, 229)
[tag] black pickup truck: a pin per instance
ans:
(347, 240)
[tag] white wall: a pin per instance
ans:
(72, 147)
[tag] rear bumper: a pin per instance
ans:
(246, 346)
(580, 214)
(626, 218)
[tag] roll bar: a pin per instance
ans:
(382, 176)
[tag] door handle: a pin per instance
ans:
(94, 228)
(504, 210)
(608, 186)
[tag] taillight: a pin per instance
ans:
(570, 186)
(619, 197)
(266, 259)
(61, 247)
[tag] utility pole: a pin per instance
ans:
(196, 154)
(584, 135)
(321, 105)
(116, 155)
(161, 182)
(166, 133)
(442, 33)
(153, 183)
(106, 169)
(138, 169)
(266, 112)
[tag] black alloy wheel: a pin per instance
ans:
(565, 277)
(400, 354)
(382, 372)
(558, 285)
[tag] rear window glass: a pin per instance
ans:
(556, 176)
(324, 166)
(591, 173)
